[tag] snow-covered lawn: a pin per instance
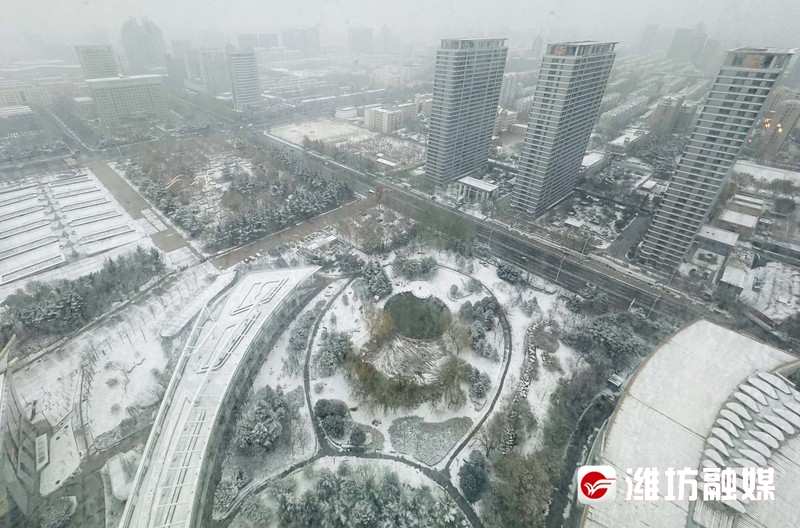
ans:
(327, 130)
(127, 349)
(425, 441)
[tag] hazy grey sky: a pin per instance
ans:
(764, 22)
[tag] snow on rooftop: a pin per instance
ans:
(15, 111)
(773, 290)
(648, 185)
(630, 134)
(719, 235)
(148, 76)
(737, 218)
(667, 412)
(734, 276)
(386, 162)
(745, 199)
(767, 173)
(592, 158)
(478, 184)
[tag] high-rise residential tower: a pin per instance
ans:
(572, 82)
(97, 61)
(244, 79)
(730, 110)
(466, 90)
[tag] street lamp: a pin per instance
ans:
(559, 268)
(585, 244)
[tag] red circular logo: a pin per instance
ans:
(594, 484)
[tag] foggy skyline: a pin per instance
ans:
(72, 22)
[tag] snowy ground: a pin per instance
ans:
(128, 348)
(349, 318)
(326, 130)
(511, 297)
(371, 145)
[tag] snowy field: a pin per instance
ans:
(405, 152)
(128, 349)
(326, 130)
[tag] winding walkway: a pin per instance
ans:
(327, 449)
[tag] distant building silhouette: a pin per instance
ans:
(304, 40)
(144, 46)
(361, 41)
(687, 44)
(97, 61)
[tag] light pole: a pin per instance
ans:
(491, 232)
(654, 305)
(672, 277)
(585, 244)
(559, 268)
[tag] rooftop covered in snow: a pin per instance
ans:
(478, 184)
(705, 386)
(719, 235)
(737, 218)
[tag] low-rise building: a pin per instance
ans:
(620, 146)
(504, 120)
(407, 110)
(85, 107)
(348, 112)
(15, 111)
(475, 190)
(747, 204)
(742, 223)
(623, 114)
(665, 114)
(717, 240)
(593, 163)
